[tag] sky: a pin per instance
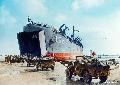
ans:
(98, 22)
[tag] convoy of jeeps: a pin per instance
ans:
(85, 68)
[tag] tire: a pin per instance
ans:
(28, 65)
(42, 68)
(52, 67)
(103, 79)
(87, 78)
(68, 74)
(81, 79)
(37, 66)
(81, 75)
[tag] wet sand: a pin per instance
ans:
(20, 74)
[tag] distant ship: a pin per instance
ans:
(41, 39)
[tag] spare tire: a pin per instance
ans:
(68, 74)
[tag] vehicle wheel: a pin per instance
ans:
(28, 65)
(37, 66)
(87, 78)
(102, 79)
(81, 77)
(34, 64)
(68, 74)
(42, 68)
(52, 67)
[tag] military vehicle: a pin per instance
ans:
(87, 69)
(45, 63)
(14, 59)
(31, 62)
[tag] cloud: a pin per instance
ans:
(6, 19)
(77, 4)
(92, 3)
(102, 33)
(32, 7)
(11, 16)
(60, 18)
(8, 39)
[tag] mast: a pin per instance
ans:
(74, 31)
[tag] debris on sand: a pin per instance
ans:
(52, 78)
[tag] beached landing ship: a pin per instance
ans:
(41, 39)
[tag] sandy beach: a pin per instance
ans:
(20, 74)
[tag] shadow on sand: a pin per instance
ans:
(35, 70)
